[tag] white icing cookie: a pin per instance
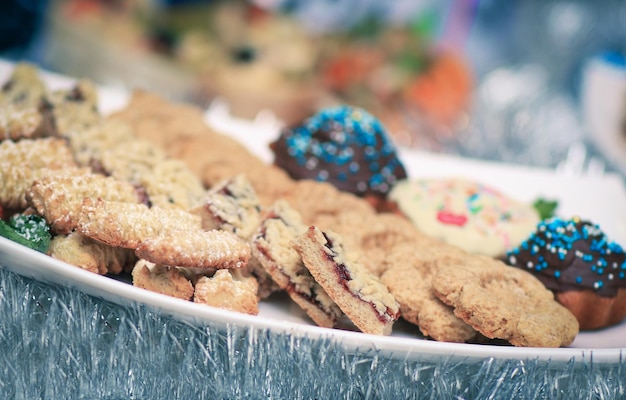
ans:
(467, 214)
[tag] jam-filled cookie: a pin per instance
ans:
(358, 293)
(271, 246)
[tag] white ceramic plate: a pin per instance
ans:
(602, 200)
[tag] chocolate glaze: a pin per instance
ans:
(344, 146)
(572, 255)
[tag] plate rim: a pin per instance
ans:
(32, 264)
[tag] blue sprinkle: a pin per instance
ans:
(322, 175)
(376, 179)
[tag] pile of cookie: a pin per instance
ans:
(153, 192)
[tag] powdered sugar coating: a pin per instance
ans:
(195, 249)
(128, 224)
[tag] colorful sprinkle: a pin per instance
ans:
(572, 252)
(451, 219)
(348, 143)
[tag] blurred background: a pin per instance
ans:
(535, 82)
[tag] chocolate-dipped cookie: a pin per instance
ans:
(585, 270)
(345, 146)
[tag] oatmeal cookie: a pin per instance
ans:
(162, 122)
(505, 303)
(408, 278)
(180, 130)
(312, 199)
(374, 234)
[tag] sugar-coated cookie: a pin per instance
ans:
(59, 197)
(127, 225)
(196, 249)
(91, 255)
(24, 108)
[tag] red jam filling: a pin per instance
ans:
(344, 276)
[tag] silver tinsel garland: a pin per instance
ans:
(59, 343)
